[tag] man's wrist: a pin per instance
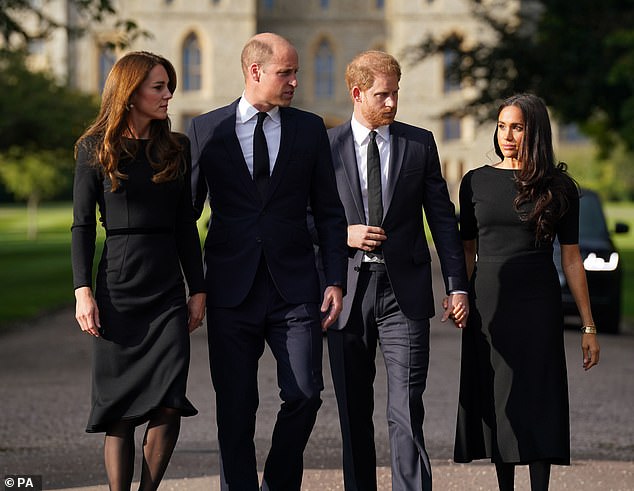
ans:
(458, 292)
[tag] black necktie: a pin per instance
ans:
(375, 202)
(260, 156)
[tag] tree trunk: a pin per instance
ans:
(31, 205)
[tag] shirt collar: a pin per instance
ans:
(361, 133)
(246, 111)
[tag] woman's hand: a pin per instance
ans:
(196, 311)
(86, 311)
(590, 349)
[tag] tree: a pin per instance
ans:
(16, 14)
(36, 111)
(35, 175)
(40, 122)
(578, 56)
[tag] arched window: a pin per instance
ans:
(324, 71)
(451, 128)
(450, 82)
(191, 63)
(106, 60)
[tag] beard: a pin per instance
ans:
(378, 117)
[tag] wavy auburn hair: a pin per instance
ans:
(104, 137)
(541, 181)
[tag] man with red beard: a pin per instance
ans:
(388, 173)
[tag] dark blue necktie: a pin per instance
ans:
(261, 169)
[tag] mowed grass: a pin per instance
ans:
(36, 275)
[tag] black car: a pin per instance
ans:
(602, 264)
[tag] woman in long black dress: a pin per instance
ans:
(137, 173)
(513, 404)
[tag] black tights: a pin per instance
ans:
(158, 443)
(539, 472)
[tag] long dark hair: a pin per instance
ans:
(105, 134)
(541, 181)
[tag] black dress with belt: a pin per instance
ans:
(513, 403)
(141, 360)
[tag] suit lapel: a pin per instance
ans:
(398, 146)
(287, 138)
(227, 134)
(348, 158)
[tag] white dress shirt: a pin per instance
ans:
(246, 119)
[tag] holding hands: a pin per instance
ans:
(456, 308)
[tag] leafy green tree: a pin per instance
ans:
(34, 175)
(577, 55)
(40, 122)
(36, 111)
(13, 14)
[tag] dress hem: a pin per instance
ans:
(140, 419)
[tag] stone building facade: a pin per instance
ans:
(204, 38)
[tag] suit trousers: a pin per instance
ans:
(237, 338)
(376, 318)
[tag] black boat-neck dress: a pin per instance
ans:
(513, 403)
(141, 360)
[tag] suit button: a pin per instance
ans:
(258, 240)
(357, 269)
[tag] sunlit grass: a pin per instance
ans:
(36, 274)
(624, 213)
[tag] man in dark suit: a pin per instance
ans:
(387, 174)
(261, 162)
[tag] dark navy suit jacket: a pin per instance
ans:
(415, 183)
(244, 226)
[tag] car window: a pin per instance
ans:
(592, 223)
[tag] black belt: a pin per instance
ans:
(139, 231)
(372, 266)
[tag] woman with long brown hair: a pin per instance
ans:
(513, 404)
(137, 173)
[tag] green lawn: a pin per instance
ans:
(621, 212)
(36, 274)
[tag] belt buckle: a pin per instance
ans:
(370, 257)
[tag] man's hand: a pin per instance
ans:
(364, 237)
(331, 306)
(456, 308)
